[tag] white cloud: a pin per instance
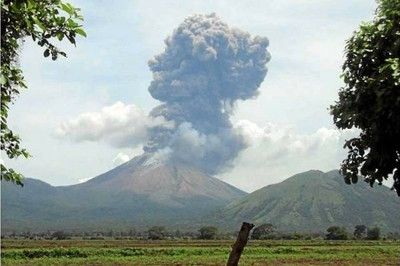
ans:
(119, 125)
(275, 152)
(83, 180)
(120, 159)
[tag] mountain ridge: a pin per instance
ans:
(141, 194)
(132, 194)
(316, 200)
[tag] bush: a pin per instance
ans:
(208, 232)
(393, 236)
(360, 231)
(59, 235)
(336, 233)
(374, 233)
(156, 233)
(264, 231)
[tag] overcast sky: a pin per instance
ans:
(106, 76)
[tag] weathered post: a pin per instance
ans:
(240, 243)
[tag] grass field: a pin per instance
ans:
(194, 252)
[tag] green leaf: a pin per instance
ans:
(46, 53)
(67, 8)
(28, 23)
(81, 32)
(71, 23)
(37, 21)
(31, 4)
(60, 36)
(2, 79)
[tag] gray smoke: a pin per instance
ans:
(205, 68)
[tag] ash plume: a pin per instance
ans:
(205, 68)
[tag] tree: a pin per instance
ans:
(208, 232)
(132, 232)
(59, 235)
(336, 233)
(156, 233)
(263, 231)
(374, 233)
(360, 231)
(45, 21)
(370, 99)
(393, 236)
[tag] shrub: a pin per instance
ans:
(360, 231)
(264, 231)
(208, 232)
(374, 233)
(336, 233)
(156, 233)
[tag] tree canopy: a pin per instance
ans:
(156, 232)
(374, 233)
(263, 231)
(336, 233)
(208, 232)
(370, 99)
(360, 231)
(45, 22)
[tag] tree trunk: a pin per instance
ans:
(240, 243)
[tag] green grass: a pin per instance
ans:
(132, 252)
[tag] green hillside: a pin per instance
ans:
(139, 193)
(313, 201)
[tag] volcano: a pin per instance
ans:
(145, 192)
(139, 193)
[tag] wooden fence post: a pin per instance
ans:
(240, 243)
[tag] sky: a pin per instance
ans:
(106, 78)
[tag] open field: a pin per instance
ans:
(195, 252)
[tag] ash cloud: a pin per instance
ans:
(205, 68)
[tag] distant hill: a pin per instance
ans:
(143, 192)
(313, 201)
(139, 193)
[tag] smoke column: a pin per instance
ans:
(205, 68)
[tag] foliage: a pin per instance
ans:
(336, 233)
(46, 22)
(263, 231)
(59, 235)
(393, 236)
(208, 232)
(156, 233)
(370, 99)
(360, 231)
(374, 233)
